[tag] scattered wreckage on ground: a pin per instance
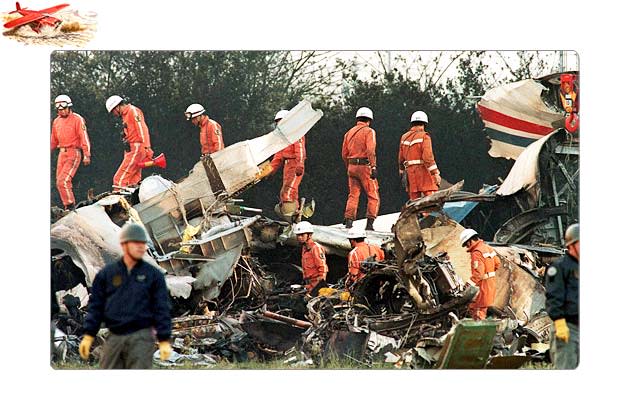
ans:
(236, 284)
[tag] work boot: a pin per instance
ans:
(370, 224)
(348, 223)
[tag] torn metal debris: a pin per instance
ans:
(238, 294)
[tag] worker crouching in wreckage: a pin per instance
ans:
(314, 267)
(562, 285)
(131, 297)
(484, 264)
(360, 252)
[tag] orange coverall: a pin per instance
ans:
(358, 254)
(484, 264)
(69, 135)
(415, 156)
(293, 157)
(359, 154)
(210, 135)
(314, 267)
(137, 135)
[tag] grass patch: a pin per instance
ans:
(334, 363)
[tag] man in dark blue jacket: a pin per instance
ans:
(131, 297)
(563, 297)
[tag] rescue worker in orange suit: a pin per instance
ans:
(69, 135)
(484, 264)
(569, 100)
(359, 155)
(314, 267)
(415, 159)
(210, 132)
(292, 157)
(568, 96)
(360, 252)
(136, 138)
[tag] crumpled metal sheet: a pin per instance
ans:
(407, 230)
(237, 164)
(519, 290)
(524, 173)
(212, 275)
(90, 238)
(512, 105)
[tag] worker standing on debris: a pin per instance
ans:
(360, 252)
(131, 297)
(69, 135)
(293, 158)
(484, 263)
(136, 139)
(415, 159)
(359, 155)
(314, 267)
(210, 132)
(562, 284)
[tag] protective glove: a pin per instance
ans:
(265, 169)
(438, 179)
(373, 173)
(299, 170)
(165, 349)
(84, 347)
(562, 330)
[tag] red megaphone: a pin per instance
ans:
(159, 161)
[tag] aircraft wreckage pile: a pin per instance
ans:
(236, 289)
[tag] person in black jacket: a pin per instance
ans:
(131, 297)
(563, 295)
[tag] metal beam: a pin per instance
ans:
(557, 204)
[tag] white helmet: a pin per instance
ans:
(194, 110)
(419, 116)
(303, 227)
(63, 101)
(356, 233)
(112, 102)
(281, 114)
(466, 235)
(365, 112)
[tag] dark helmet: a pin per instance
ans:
(133, 232)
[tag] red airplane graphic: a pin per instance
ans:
(36, 18)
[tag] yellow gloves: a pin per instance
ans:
(84, 347)
(562, 330)
(264, 170)
(165, 349)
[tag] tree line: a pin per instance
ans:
(243, 90)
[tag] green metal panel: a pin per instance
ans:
(469, 346)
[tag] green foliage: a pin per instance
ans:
(242, 90)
